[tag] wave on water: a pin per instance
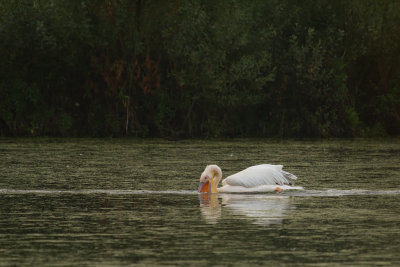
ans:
(95, 191)
(339, 193)
(299, 193)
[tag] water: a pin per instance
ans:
(92, 202)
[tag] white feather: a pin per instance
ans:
(258, 175)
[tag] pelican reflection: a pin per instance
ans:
(260, 208)
(210, 207)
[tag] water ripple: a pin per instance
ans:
(302, 193)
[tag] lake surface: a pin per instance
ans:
(95, 202)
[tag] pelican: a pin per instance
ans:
(259, 178)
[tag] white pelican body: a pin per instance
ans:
(259, 178)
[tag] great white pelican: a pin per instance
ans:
(259, 178)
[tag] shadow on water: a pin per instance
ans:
(267, 209)
(260, 208)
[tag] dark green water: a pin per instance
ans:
(91, 202)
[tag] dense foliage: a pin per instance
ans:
(199, 68)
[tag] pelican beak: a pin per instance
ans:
(204, 187)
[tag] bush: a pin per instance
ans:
(200, 68)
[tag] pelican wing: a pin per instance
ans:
(264, 174)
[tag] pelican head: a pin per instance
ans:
(209, 179)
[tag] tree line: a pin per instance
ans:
(150, 68)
